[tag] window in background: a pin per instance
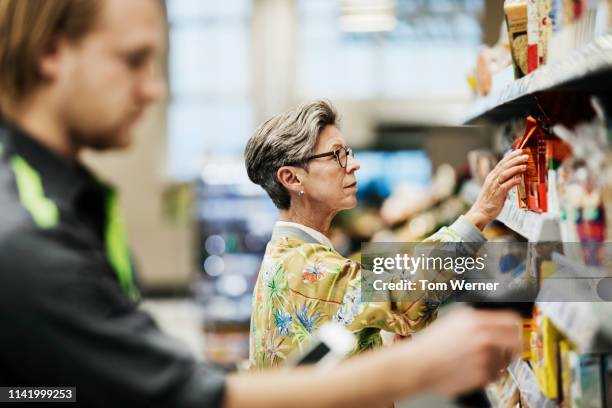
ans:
(412, 60)
(210, 82)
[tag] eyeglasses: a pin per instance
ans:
(341, 155)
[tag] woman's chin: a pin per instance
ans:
(351, 202)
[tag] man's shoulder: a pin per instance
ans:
(13, 215)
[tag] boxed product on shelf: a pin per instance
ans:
(608, 380)
(491, 66)
(533, 35)
(587, 390)
(544, 30)
(516, 20)
(583, 185)
(503, 393)
(527, 329)
(572, 10)
(539, 30)
(565, 348)
(544, 350)
(556, 11)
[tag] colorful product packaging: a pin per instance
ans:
(556, 14)
(588, 389)
(527, 329)
(608, 381)
(544, 150)
(533, 35)
(545, 29)
(544, 350)
(516, 20)
(565, 348)
(591, 381)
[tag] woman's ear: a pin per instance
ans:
(290, 179)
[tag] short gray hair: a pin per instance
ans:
(286, 139)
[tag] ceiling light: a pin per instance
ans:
(368, 15)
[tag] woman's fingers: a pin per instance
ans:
(509, 166)
(516, 161)
(513, 155)
(505, 187)
(505, 175)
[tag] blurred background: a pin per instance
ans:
(402, 73)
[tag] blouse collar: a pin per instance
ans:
(319, 237)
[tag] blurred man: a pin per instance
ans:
(77, 74)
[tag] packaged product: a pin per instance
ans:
(606, 196)
(545, 29)
(575, 393)
(516, 21)
(565, 348)
(572, 10)
(587, 389)
(527, 329)
(545, 151)
(608, 380)
(544, 351)
(503, 393)
(591, 382)
(533, 35)
(556, 14)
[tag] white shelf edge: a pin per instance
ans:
(590, 59)
(534, 226)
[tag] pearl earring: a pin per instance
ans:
(302, 193)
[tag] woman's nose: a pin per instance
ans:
(352, 165)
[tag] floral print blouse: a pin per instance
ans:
(303, 283)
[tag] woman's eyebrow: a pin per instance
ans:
(336, 145)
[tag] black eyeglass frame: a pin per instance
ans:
(336, 153)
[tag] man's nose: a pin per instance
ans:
(153, 86)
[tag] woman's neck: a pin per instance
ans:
(310, 220)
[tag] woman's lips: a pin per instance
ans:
(352, 185)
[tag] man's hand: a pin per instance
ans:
(468, 348)
(495, 188)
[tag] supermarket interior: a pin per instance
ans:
(431, 95)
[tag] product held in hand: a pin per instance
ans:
(544, 150)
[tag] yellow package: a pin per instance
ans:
(565, 347)
(544, 350)
(527, 330)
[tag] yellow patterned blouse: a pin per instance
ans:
(303, 283)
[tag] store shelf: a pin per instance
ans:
(536, 227)
(586, 69)
(584, 322)
(525, 380)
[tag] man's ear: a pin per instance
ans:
(51, 60)
(289, 178)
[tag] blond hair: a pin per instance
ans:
(28, 29)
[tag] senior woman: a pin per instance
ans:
(302, 161)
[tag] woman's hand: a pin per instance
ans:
(495, 188)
